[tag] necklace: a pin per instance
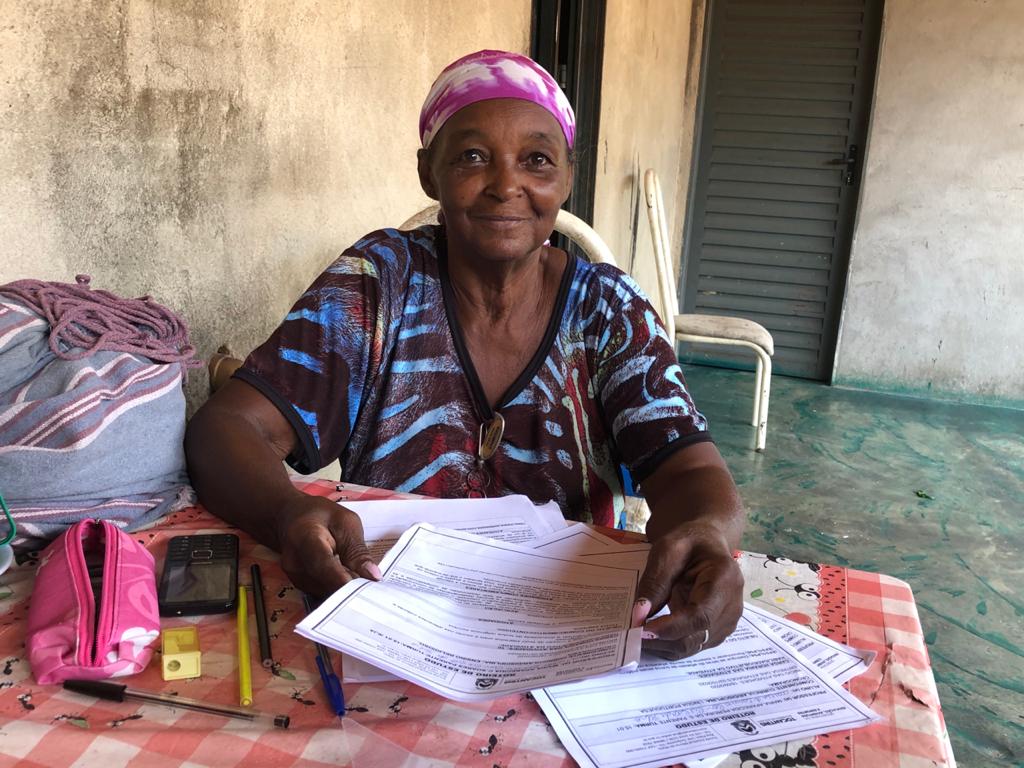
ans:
(478, 479)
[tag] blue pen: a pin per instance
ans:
(332, 685)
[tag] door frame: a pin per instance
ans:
(567, 39)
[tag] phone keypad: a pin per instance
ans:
(203, 547)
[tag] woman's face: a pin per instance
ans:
(500, 170)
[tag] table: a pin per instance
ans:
(47, 726)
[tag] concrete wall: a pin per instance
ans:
(646, 122)
(935, 298)
(214, 154)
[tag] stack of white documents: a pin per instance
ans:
(475, 618)
(536, 605)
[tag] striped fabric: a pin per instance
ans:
(98, 437)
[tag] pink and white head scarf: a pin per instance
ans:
(493, 75)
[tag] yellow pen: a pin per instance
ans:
(244, 668)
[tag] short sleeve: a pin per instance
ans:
(639, 381)
(316, 366)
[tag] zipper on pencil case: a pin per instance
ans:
(80, 576)
(108, 600)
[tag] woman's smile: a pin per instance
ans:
(498, 221)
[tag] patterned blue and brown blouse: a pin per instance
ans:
(370, 367)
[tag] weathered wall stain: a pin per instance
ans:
(212, 154)
(642, 127)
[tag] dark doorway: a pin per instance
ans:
(786, 96)
(567, 39)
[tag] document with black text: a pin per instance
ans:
(473, 618)
(752, 690)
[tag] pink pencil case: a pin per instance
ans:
(93, 612)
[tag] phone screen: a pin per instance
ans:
(199, 581)
(200, 575)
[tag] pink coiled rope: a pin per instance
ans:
(83, 321)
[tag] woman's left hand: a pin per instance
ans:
(691, 570)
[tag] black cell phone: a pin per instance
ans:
(200, 575)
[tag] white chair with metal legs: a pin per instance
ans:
(708, 329)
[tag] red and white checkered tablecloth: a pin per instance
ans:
(388, 722)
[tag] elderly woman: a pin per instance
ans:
(474, 359)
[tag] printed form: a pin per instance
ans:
(473, 618)
(569, 540)
(753, 689)
(513, 519)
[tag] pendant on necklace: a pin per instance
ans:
(490, 437)
(478, 478)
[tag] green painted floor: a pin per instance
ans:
(846, 478)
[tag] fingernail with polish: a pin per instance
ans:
(648, 635)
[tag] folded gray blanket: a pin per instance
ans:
(87, 428)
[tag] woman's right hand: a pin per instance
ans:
(322, 546)
(236, 445)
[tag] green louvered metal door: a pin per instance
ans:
(785, 103)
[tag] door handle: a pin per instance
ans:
(850, 162)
